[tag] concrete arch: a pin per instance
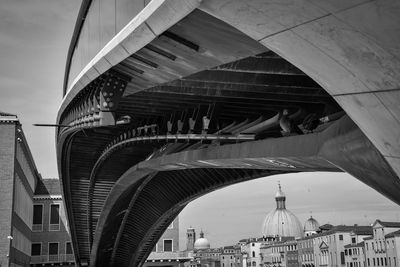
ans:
(325, 151)
(351, 48)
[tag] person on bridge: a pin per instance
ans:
(287, 124)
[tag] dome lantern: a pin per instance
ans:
(280, 198)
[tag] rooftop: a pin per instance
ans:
(393, 234)
(2, 113)
(357, 230)
(48, 187)
(388, 224)
(7, 117)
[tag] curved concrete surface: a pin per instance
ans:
(351, 48)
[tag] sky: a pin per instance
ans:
(34, 40)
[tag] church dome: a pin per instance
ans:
(201, 243)
(311, 225)
(281, 222)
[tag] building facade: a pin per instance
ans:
(393, 248)
(354, 255)
(231, 256)
(33, 226)
(166, 251)
(329, 246)
(18, 179)
(252, 248)
(376, 246)
(305, 250)
(51, 242)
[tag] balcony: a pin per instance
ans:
(37, 227)
(52, 258)
(54, 227)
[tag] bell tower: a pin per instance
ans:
(190, 239)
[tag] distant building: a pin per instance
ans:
(329, 245)
(291, 254)
(204, 255)
(354, 255)
(231, 256)
(393, 248)
(190, 239)
(201, 243)
(305, 247)
(166, 251)
(311, 227)
(281, 222)
(376, 246)
(33, 227)
(272, 254)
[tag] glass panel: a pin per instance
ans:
(107, 21)
(36, 249)
(94, 29)
(126, 10)
(84, 45)
(54, 214)
(53, 248)
(37, 214)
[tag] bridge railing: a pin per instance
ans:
(98, 22)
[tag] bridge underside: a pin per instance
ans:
(196, 109)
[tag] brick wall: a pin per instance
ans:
(7, 157)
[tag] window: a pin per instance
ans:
(353, 240)
(342, 256)
(36, 249)
(68, 248)
(366, 244)
(53, 248)
(350, 252)
(54, 214)
(37, 214)
(373, 260)
(382, 261)
(340, 237)
(254, 254)
(167, 245)
(369, 263)
(345, 252)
